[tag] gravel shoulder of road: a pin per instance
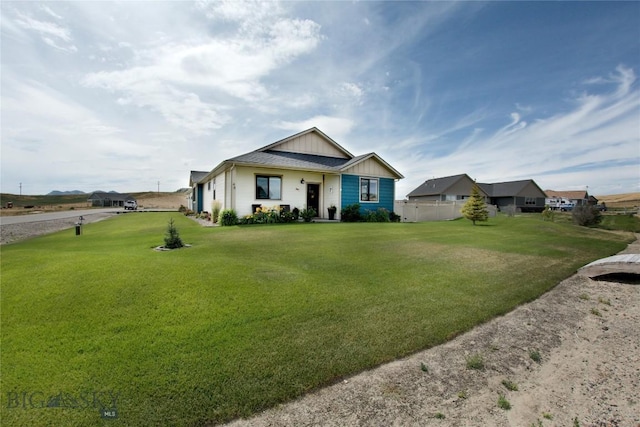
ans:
(10, 233)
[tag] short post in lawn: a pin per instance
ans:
(79, 226)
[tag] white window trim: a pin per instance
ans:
(377, 180)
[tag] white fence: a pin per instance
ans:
(432, 211)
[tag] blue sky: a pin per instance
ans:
(121, 96)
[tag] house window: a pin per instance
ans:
(530, 201)
(268, 187)
(209, 185)
(368, 190)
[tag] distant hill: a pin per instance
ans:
(64, 193)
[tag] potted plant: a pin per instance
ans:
(332, 211)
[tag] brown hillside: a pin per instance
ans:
(625, 200)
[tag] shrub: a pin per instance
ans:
(172, 240)
(228, 217)
(308, 214)
(264, 215)
(394, 217)
(380, 215)
(586, 215)
(288, 216)
(351, 213)
(547, 213)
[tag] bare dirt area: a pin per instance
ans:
(164, 201)
(584, 331)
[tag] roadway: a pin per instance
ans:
(48, 216)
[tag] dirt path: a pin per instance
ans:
(586, 333)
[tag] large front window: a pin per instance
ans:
(368, 190)
(268, 187)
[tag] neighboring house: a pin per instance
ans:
(578, 198)
(196, 192)
(305, 170)
(447, 189)
(108, 199)
(524, 195)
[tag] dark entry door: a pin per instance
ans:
(313, 197)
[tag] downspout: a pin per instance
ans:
(321, 207)
(233, 186)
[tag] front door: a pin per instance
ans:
(313, 197)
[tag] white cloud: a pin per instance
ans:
(44, 28)
(48, 10)
(598, 131)
(165, 77)
(336, 127)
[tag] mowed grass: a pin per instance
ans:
(252, 316)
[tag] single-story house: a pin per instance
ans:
(525, 195)
(109, 199)
(578, 198)
(446, 189)
(305, 170)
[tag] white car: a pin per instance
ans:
(131, 204)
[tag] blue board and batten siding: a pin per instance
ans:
(351, 194)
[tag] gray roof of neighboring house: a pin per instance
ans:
(437, 186)
(507, 189)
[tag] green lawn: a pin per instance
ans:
(250, 316)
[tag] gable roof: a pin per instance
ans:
(371, 156)
(278, 155)
(196, 176)
(278, 145)
(437, 186)
(571, 195)
(509, 188)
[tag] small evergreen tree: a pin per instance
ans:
(172, 240)
(475, 209)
